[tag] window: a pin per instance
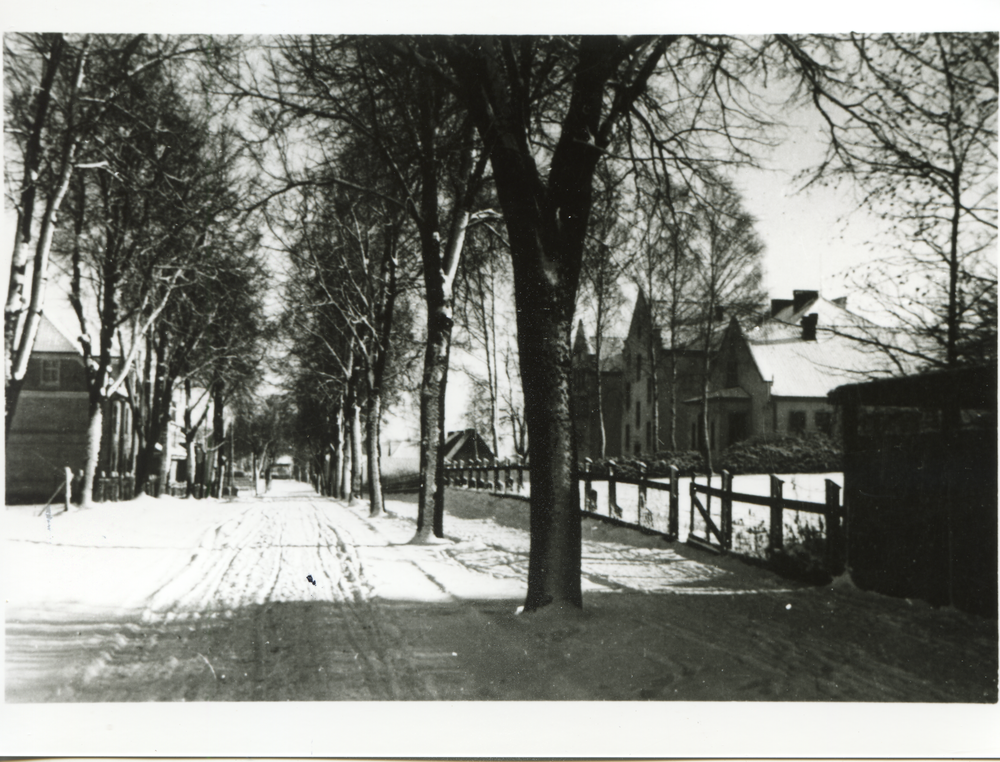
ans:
(649, 436)
(649, 390)
(50, 374)
(638, 449)
(824, 421)
(637, 413)
(797, 421)
(628, 393)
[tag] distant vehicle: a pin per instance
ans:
(281, 471)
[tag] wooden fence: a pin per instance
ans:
(504, 478)
(831, 510)
(512, 479)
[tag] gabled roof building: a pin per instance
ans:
(775, 376)
(49, 430)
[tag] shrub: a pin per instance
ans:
(782, 454)
(657, 466)
(766, 454)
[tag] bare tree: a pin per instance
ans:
(912, 120)
(48, 137)
(548, 109)
(727, 276)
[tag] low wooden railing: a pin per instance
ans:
(508, 479)
(832, 511)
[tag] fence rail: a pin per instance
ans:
(512, 479)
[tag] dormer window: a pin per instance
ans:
(50, 374)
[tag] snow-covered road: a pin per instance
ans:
(293, 596)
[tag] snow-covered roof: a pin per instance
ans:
(797, 367)
(53, 338)
(831, 314)
(800, 368)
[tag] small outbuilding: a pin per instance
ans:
(466, 445)
(920, 486)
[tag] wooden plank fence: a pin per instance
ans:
(507, 479)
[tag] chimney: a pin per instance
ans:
(777, 305)
(720, 313)
(809, 327)
(801, 298)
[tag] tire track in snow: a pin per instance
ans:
(259, 560)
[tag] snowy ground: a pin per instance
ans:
(295, 597)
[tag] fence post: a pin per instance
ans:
(777, 534)
(508, 483)
(673, 521)
(693, 492)
(834, 533)
(642, 494)
(589, 500)
(497, 485)
(68, 489)
(727, 510)
(612, 491)
(102, 486)
(520, 476)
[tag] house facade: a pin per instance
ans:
(660, 369)
(49, 430)
(775, 377)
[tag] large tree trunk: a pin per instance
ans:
(165, 460)
(599, 388)
(95, 427)
(354, 487)
(373, 425)
(544, 344)
(430, 504)
(339, 461)
(218, 439)
(189, 437)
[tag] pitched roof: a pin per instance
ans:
(456, 440)
(831, 314)
(53, 338)
(799, 368)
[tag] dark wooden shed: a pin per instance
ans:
(920, 486)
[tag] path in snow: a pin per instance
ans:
(291, 596)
